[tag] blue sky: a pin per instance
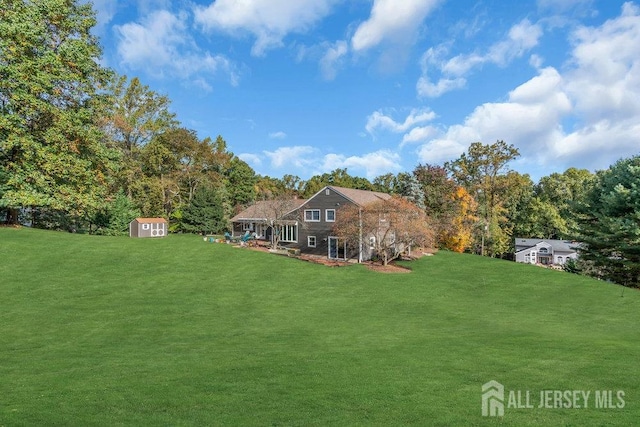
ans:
(303, 87)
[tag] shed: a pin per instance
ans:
(148, 227)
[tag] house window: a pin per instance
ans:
(543, 250)
(330, 215)
(289, 233)
(247, 226)
(560, 260)
(327, 192)
(372, 242)
(311, 241)
(312, 215)
(527, 259)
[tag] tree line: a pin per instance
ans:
(85, 149)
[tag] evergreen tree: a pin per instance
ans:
(241, 182)
(410, 189)
(609, 223)
(114, 218)
(206, 213)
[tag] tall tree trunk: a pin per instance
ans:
(12, 216)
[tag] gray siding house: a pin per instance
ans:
(318, 215)
(545, 251)
(308, 224)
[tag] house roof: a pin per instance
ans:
(360, 197)
(259, 209)
(150, 220)
(557, 245)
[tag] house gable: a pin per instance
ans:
(320, 212)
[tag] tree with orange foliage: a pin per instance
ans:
(388, 227)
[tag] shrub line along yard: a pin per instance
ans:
(118, 331)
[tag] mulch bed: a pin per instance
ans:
(391, 268)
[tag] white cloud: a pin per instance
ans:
(296, 156)
(269, 21)
(379, 120)
(388, 20)
(160, 45)
(434, 90)
(586, 116)
(308, 159)
(530, 118)
(439, 151)
(606, 80)
(333, 58)
(372, 164)
(277, 135)
(521, 38)
(105, 11)
(536, 61)
(252, 159)
(419, 134)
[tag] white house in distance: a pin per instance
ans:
(545, 251)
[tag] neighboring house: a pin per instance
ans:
(309, 223)
(545, 251)
(148, 227)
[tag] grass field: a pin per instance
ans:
(176, 331)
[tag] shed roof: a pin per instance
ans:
(150, 220)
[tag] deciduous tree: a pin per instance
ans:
(395, 225)
(482, 172)
(52, 153)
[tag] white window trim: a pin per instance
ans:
(326, 215)
(286, 234)
(311, 211)
(315, 241)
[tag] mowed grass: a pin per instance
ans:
(176, 331)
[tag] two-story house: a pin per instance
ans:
(309, 223)
(545, 251)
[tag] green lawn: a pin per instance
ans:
(176, 331)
